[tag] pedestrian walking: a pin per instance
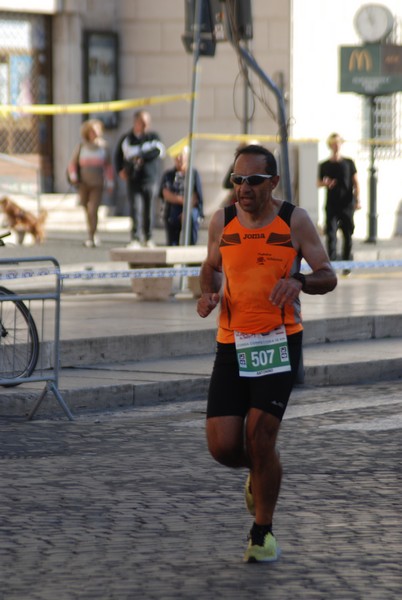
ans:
(90, 169)
(137, 163)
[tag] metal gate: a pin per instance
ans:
(30, 328)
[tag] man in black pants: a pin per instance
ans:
(137, 163)
(339, 175)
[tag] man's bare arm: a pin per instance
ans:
(322, 278)
(211, 268)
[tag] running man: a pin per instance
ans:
(255, 247)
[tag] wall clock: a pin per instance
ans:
(373, 22)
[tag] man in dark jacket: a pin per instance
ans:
(137, 162)
(172, 192)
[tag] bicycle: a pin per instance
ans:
(19, 340)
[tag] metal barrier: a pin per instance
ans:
(44, 309)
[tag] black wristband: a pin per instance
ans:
(300, 277)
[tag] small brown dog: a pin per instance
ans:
(22, 221)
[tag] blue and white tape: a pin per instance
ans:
(90, 274)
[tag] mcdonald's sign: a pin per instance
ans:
(372, 70)
(361, 60)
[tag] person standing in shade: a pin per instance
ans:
(90, 169)
(339, 175)
(172, 192)
(137, 163)
(255, 248)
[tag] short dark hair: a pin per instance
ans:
(271, 166)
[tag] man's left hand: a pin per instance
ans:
(285, 291)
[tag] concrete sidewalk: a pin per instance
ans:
(118, 351)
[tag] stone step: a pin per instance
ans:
(181, 343)
(103, 349)
(65, 214)
(100, 387)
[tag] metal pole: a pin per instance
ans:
(246, 104)
(189, 179)
(372, 216)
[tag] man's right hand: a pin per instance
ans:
(329, 183)
(206, 303)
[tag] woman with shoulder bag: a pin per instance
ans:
(90, 169)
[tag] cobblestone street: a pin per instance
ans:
(130, 505)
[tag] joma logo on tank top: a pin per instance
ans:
(253, 236)
(275, 239)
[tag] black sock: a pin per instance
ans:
(258, 533)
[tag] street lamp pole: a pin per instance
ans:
(189, 179)
(372, 216)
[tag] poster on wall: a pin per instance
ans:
(20, 83)
(101, 73)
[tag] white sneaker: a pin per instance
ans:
(95, 243)
(134, 244)
(150, 244)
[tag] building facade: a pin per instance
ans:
(67, 52)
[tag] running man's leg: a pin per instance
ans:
(227, 409)
(225, 436)
(266, 470)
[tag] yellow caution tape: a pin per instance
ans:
(91, 107)
(247, 137)
(178, 146)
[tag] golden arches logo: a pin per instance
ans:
(360, 60)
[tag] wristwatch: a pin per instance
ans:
(300, 277)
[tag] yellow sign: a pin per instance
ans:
(360, 60)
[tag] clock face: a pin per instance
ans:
(373, 22)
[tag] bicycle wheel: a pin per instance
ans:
(19, 340)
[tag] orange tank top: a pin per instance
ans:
(253, 260)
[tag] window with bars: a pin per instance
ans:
(387, 125)
(387, 115)
(25, 78)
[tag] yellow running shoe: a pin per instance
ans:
(267, 551)
(249, 496)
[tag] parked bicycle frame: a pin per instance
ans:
(19, 340)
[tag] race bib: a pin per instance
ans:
(262, 353)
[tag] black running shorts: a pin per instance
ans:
(232, 395)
